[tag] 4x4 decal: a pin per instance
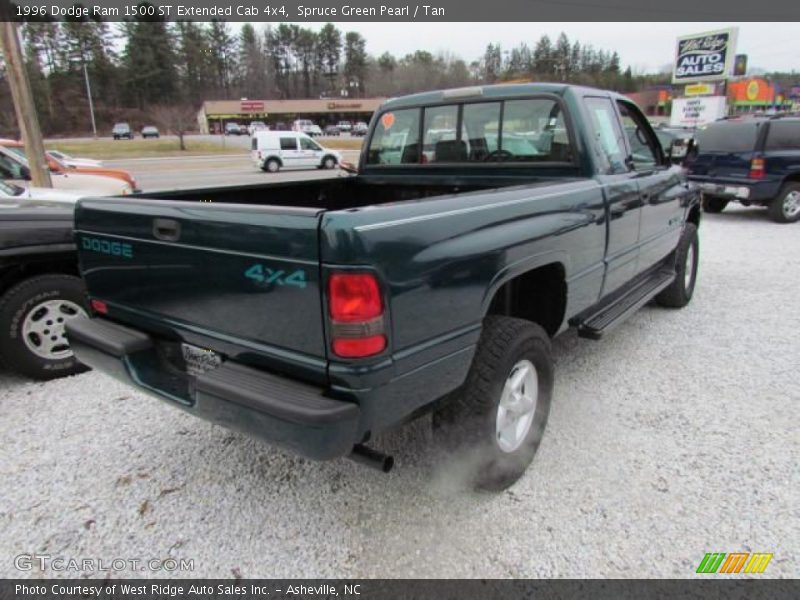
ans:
(262, 274)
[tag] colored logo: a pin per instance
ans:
(735, 562)
(752, 90)
(121, 249)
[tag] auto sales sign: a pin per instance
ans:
(705, 56)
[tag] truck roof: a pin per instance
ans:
(497, 91)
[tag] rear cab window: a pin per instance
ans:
(528, 130)
(288, 143)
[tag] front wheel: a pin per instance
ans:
(493, 425)
(329, 162)
(786, 207)
(687, 255)
(32, 318)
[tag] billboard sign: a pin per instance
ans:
(695, 112)
(252, 106)
(705, 56)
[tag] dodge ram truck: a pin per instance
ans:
(481, 223)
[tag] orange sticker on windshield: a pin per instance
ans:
(387, 120)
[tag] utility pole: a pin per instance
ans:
(89, 95)
(23, 99)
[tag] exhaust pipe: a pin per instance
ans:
(371, 458)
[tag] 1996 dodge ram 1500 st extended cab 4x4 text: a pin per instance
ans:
(314, 314)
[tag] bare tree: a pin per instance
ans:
(178, 120)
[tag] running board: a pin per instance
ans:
(609, 316)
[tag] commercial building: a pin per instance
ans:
(213, 115)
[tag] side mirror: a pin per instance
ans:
(348, 167)
(25, 173)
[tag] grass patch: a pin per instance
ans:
(337, 143)
(109, 149)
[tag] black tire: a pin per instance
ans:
(680, 291)
(19, 304)
(273, 165)
(329, 162)
(786, 207)
(714, 204)
(467, 424)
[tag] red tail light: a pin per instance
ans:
(99, 307)
(356, 311)
(756, 169)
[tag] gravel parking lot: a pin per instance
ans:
(674, 436)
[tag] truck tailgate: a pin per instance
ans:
(242, 275)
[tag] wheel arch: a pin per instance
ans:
(45, 264)
(536, 293)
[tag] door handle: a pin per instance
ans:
(167, 230)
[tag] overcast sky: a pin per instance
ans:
(644, 46)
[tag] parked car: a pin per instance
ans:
(307, 127)
(753, 161)
(40, 290)
(243, 130)
(14, 169)
(359, 129)
(16, 195)
(122, 131)
(150, 131)
(233, 129)
(73, 161)
(345, 126)
(56, 166)
(275, 150)
(316, 314)
(331, 130)
(256, 126)
(280, 126)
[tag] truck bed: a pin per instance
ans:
(331, 194)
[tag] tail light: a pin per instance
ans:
(756, 169)
(356, 312)
(99, 306)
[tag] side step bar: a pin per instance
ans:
(609, 316)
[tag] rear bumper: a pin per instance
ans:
(279, 410)
(742, 190)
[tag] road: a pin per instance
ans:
(672, 437)
(209, 171)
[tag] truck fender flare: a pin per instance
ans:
(514, 270)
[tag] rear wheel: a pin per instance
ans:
(272, 165)
(32, 318)
(687, 255)
(493, 424)
(786, 207)
(714, 204)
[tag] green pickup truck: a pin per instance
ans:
(481, 222)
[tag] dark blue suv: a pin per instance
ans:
(752, 160)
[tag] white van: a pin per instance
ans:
(274, 150)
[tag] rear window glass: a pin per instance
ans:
(529, 130)
(784, 135)
(728, 137)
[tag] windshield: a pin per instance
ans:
(530, 130)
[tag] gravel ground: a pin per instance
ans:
(674, 436)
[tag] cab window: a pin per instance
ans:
(288, 143)
(608, 136)
(395, 139)
(307, 144)
(645, 151)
